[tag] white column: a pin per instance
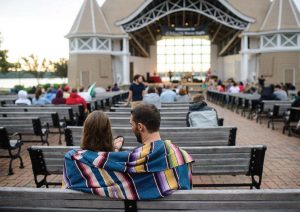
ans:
(245, 59)
(126, 61)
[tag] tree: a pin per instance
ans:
(61, 67)
(5, 66)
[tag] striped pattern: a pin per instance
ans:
(152, 171)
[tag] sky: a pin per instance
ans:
(38, 27)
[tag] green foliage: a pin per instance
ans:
(5, 66)
(61, 67)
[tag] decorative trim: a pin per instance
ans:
(198, 6)
(147, 2)
(93, 16)
(267, 16)
(280, 15)
(271, 32)
(70, 36)
(294, 12)
(80, 15)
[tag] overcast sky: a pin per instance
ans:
(39, 26)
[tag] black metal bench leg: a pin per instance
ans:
(10, 170)
(59, 130)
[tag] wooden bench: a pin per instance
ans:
(46, 200)
(12, 143)
(181, 115)
(181, 136)
(65, 113)
(26, 125)
(291, 120)
(51, 118)
(266, 106)
(223, 160)
(164, 109)
(278, 114)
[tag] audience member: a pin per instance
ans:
(182, 96)
(136, 91)
(261, 81)
(296, 103)
(76, 99)
(234, 88)
(108, 89)
(39, 98)
(50, 94)
(152, 97)
(115, 88)
(159, 90)
(66, 93)
(59, 99)
(85, 95)
(242, 87)
(280, 94)
(168, 95)
(201, 115)
(146, 172)
(23, 98)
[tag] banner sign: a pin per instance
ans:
(183, 31)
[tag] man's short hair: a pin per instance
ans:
(198, 98)
(148, 115)
(278, 86)
(136, 77)
(151, 89)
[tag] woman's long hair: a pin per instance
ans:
(97, 135)
(38, 93)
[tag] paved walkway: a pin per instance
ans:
(281, 168)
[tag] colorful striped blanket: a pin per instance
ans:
(148, 172)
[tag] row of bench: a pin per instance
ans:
(273, 110)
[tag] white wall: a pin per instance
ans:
(142, 65)
(230, 67)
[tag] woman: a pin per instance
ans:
(59, 99)
(182, 96)
(97, 135)
(39, 98)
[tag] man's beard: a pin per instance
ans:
(138, 136)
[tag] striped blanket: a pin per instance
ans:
(152, 171)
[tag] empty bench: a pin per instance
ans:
(41, 199)
(51, 118)
(26, 126)
(225, 160)
(181, 136)
(13, 144)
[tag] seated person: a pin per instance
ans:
(168, 95)
(59, 99)
(152, 97)
(40, 98)
(201, 115)
(182, 96)
(280, 94)
(85, 95)
(296, 103)
(115, 88)
(23, 98)
(76, 99)
(146, 172)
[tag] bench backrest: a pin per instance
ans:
(4, 140)
(224, 160)
(126, 114)
(23, 125)
(41, 199)
(51, 118)
(164, 109)
(269, 105)
(63, 112)
(165, 121)
(181, 136)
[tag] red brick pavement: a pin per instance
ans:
(281, 168)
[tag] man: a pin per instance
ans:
(136, 91)
(153, 170)
(280, 94)
(168, 95)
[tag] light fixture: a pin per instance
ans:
(173, 25)
(186, 24)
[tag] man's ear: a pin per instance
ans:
(140, 127)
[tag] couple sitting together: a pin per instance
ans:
(153, 170)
